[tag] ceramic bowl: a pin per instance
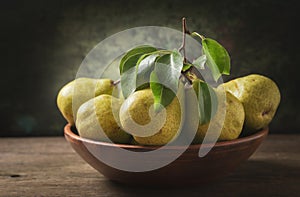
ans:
(187, 169)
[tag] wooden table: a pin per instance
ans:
(48, 166)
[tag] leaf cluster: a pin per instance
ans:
(162, 70)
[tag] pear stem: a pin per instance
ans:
(117, 82)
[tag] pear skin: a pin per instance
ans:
(82, 89)
(98, 118)
(231, 126)
(137, 108)
(260, 97)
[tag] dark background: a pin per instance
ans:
(44, 42)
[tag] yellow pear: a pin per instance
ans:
(230, 124)
(99, 117)
(137, 117)
(260, 97)
(78, 91)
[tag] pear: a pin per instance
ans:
(78, 91)
(98, 118)
(137, 117)
(260, 97)
(229, 125)
(191, 118)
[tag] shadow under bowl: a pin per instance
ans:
(188, 169)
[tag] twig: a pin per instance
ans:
(184, 32)
(188, 80)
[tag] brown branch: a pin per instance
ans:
(184, 32)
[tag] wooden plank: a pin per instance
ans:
(49, 167)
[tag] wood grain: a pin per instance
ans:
(49, 167)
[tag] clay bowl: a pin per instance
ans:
(188, 169)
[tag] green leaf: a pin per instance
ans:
(200, 61)
(207, 101)
(168, 69)
(164, 79)
(128, 70)
(137, 50)
(128, 77)
(186, 66)
(163, 96)
(218, 59)
(145, 66)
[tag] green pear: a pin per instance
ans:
(82, 89)
(137, 117)
(260, 97)
(228, 120)
(191, 118)
(99, 117)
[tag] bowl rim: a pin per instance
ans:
(259, 134)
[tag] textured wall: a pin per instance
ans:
(44, 42)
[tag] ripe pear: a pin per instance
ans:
(260, 97)
(137, 115)
(229, 124)
(78, 91)
(191, 118)
(99, 117)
